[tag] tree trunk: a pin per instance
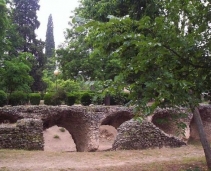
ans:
(202, 135)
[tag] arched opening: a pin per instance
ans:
(108, 129)
(107, 136)
(58, 139)
(172, 123)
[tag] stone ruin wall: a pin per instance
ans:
(26, 130)
(26, 134)
(135, 136)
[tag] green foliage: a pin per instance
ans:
(49, 42)
(98, 98)
(24, 15)
(161, 58)
(119, 99)
(15, 73)
(86, 99)
(60, 96)
(56, 137)
(48, 98)
(55, 98)
(34, 98)
(3, 98)
(18, 98)
(71, 99)
(3, 24)
(62, 129)
(68, 85)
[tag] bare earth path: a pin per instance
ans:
(60, 155)
(153, 159)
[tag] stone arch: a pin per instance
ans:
(168, 119)
(117, 118)
(58, 139)
(108, 128)
(78, 128)
(80, 121)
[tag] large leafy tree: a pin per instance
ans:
(15, 73)
(166, 58)
(25, 18)
(75, 56)
(49, 42)
(24, 15)
(3, 24)
(100, 10)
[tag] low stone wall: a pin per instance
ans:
(133, 135)
(26, 134)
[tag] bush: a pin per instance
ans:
(34, 98)
(3, 98)
(98, 99)
(78, 96)
(86, 99)
(119, 99)
(70, 100)
(48, 98)
(54, 98)
(18, 98)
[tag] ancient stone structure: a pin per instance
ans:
(25, 134)
(83, 124)
(135, 135)
(174, 121)
(205, 112)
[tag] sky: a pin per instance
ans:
(61, 11)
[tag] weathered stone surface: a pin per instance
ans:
(25, 134)
(135, 135)
(173, 120)
(82, 122)
(205, 112)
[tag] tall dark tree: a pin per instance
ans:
(25, 18)
(49, 42)
(24, 15)
(3, 24)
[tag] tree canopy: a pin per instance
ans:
(165, 59)
(24, 16)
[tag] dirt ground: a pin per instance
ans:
(56, 140)
(60, 155)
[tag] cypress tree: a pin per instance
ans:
(49, 42)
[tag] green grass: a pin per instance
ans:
(56, 137)
(62, 129)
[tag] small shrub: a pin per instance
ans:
(62, 129)
(86, 99)
(18, 98)
(52, 99)
(34, 98)
(3, 98)
(48, 98)
(56, 136)
(71, 99)
(60, 94)
(98, 99)
(119, 99)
